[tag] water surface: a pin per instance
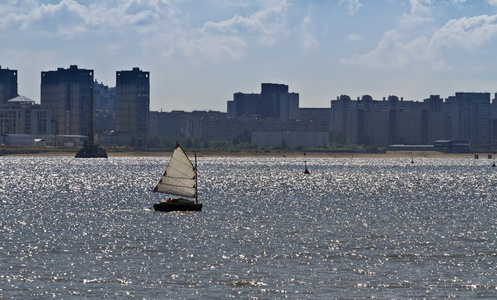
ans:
(353, 228)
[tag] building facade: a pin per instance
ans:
(206, 125)
(463, 117)
(8, 85)
(22, 116)
(67, 93)
(133, 106)
(273, 102)
(468, 117)
(304, 139)
(104, 107)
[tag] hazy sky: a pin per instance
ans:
(200, 52)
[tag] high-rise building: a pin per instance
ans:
(133, 105)
(273, 102)
(387, 122)
(468, 117)
(67, 93)
(8, 85)
(463, 117)
(271, 94)
(104, 107)
(246, 105)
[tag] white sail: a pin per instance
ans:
(179, 177)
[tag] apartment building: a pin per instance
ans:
(8, 85)
(273, 102)
(133, 106)
(21, 115)
(465, 116)
(67, 92)
(104, 107)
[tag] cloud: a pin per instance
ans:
(166, 28)
(352, 6)
(353, 37)
(403, 48)
(466, 33)
(196, 47)
(420, 12)
(265, 25)
(393, 52)
(304, 29)
(67, 15)
(227, 38)
(47, 17)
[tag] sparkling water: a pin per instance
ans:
(353, 228)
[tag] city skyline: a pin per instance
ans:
(200, 53)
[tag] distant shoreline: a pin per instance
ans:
(19, 151)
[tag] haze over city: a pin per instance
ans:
(199, 53)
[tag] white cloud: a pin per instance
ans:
(466, 33)
(307, 39)
(223, 39)
(196, 48)
(155, 24)
(404, 48)
(265, 25)
(420, 12)
(55, 17)
(246, 41)
(68, 14)
(395, 52)
(353, 37)
(352, 6)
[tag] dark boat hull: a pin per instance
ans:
(91, 152)
(178, 205)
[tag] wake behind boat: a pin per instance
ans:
(179, 179)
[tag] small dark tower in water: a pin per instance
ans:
(306, 171)
(90, 149)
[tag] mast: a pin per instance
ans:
(91, 136)
(91, 149)
(196, 180)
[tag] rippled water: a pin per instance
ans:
(353, 228)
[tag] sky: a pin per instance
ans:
(200, 52)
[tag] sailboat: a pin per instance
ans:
(179, 179)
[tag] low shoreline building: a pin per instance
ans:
(21, 115)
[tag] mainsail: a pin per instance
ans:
(179, 177)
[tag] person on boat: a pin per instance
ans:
(169, 200)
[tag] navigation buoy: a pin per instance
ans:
(306, 171)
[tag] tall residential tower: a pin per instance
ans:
(67, 93)
(274, 102)
(133, 106)
(8, 85)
